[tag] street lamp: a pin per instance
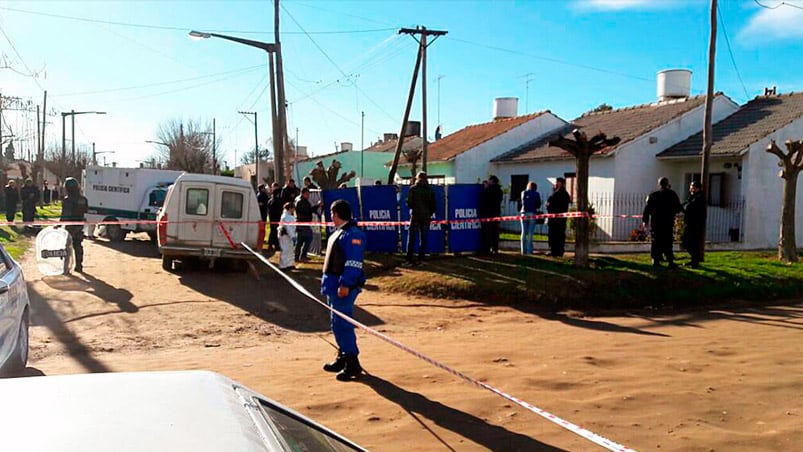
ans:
(95, 155)
(72, 114)
(277, 114)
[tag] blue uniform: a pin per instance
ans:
(343, 268)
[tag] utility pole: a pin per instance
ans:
(94, 162)
(362, 146)
(708, 136)
(281, 103)
(419, 63)
(256, 146)
(214, 149)
(274, 118)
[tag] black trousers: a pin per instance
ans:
(557, 236)
(419, 232)
(77, 235)
(662, 240)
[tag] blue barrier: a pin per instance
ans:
(463, 204)
(379, 203)
(436, 240)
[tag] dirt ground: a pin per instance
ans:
(725, 379)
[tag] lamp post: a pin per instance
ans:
(72, 114)
(95, 155)
(256, 147)
(277, 111)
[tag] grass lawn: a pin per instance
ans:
(13, 237)
(613, 282)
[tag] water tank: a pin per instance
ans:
(506, 107)
(413, 129)
(673, 84)
(346, 146)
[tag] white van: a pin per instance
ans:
(207, 217)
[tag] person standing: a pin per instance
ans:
(73, 209)
(46, 193)
(304, 211)
(262, 200)
(12, 199)
(558, 202)
(662, 206)
(530, 203)
(343, 279)
(695, 213)
(30, 197)
(494, 209)
(290, 191)
(275, 206)
(421, 202)
(287, 231)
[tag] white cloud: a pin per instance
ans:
(773, 24)
(621, 5)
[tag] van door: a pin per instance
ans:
(196, 213)
(231, 216)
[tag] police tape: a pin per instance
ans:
(126, 221)
(584, 433)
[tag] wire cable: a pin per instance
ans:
(730, 51)
(791, 5)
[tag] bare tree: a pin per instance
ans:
(185, 146)
(328, 178)
(63, 165)
(582, 149)
(792, 164)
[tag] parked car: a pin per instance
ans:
(15, 312)
(207, 217)
(152, 411)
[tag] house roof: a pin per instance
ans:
(472, 136)
(626, 123)
(411, 142)
(754, 121)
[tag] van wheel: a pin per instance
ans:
(167, 263)
(19, 357)
(115, 233)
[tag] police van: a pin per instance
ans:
(120, 194)
(208, 217)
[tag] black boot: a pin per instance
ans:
(352, 370)
(338, 364)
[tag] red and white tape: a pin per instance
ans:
(587, 434)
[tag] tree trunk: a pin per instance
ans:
(787, 248)
(581, 223)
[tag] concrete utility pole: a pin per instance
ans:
(421, 62)
(256, 146)
(281, 103)
(708, 137)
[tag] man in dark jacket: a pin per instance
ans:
(304, 211)
(290, 192)
(73, 209)
(262, 200)
(12, 199)
(662, 206)
(558, 202)
(30, 196)
(492, 208)
(343, 279)
(421, 202)
(275, 209)
(695, 209)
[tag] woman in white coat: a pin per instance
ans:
(287, 232)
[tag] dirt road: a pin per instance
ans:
(710, 380)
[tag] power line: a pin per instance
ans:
(730, 51)
(2, 29)
(173, 28)
(379, 107)
(791, 5)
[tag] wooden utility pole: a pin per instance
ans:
(274, 118)
(421, 62)
(281, 104)
(582, 149)
(708, 137)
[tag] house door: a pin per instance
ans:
(518, 183)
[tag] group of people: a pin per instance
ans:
(531, 215)
(284, 207)
(659, 213)
(28, 194)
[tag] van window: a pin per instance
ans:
(157, 198)
(231, 205)
(197, 201)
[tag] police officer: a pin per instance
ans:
(342, 281)
(73, 208)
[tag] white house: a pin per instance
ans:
(622, 175)
(742, 173)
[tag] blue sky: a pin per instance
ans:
(135, 61)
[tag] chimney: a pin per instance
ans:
(346, 146)
(413, 129)
(506, 107)
(673, 84)
(389, 137)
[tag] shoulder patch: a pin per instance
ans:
(356, 242)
